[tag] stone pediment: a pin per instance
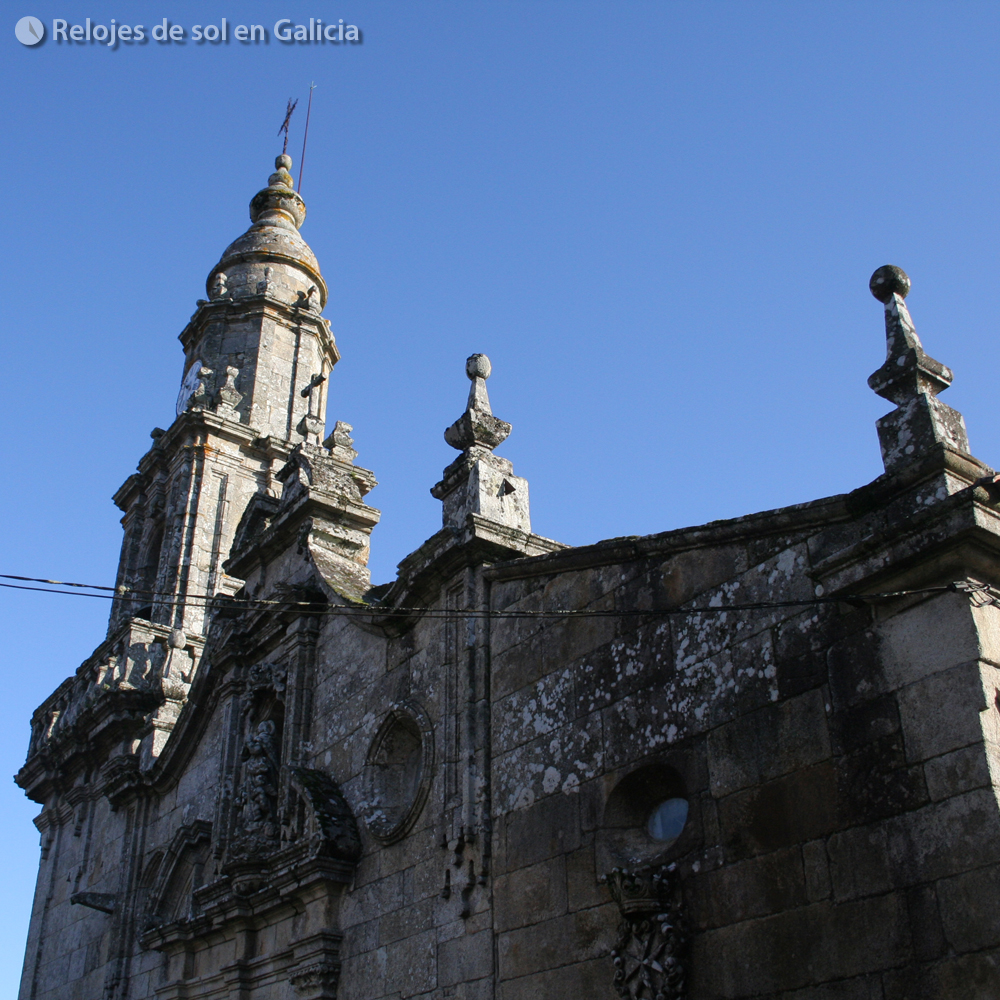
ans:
(321, 515)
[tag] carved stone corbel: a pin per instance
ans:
(103, 901)
(315, 972)
(317, 981)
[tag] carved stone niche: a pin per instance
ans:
(398, 772)
(258, 784)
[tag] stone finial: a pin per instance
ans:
(479, 482)
(477, 427)
(889, 280)
(911, 379)
(907, 370)
(272, 245)
(228, 398)
(279, 204)
(340, 443)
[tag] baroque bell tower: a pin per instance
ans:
(257, 356)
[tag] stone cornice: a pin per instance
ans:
(956, 538)
(97, 728)
(932, 545)
(797, 518)
(423, 573)
(262, 305)
(98, 714)
(194, 423)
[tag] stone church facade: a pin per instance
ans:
(753, 759)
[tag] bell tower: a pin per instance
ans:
(257, 358)
(262, 319)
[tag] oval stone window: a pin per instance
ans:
(667, 820)
(398, 772)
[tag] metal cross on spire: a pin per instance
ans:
(284, 125)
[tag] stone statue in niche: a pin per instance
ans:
(649, 955)
(259, 794)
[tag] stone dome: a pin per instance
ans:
(276, 212)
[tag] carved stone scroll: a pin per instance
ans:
(326, 819)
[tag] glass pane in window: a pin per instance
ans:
(668, 819)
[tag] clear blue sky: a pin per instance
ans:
(658, 219)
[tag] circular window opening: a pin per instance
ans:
(398, 771)
(667, 820)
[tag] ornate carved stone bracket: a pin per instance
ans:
(319, 823)
(650, 955)
(324, 818)
(317, 981)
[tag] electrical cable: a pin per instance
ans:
(208, 602)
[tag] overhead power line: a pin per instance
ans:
(55, 583)
(983, 594)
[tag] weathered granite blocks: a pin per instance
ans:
(753, 760)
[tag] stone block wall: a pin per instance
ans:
(843, 829)
(839, 763)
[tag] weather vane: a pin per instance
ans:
(284, 124)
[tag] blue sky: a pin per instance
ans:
(657, 219)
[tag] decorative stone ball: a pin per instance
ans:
(888, 279)
(178, 640)
(283, 162)
(478, 366)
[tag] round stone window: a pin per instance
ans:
(667, 820)
(398, 772)
(649, 817)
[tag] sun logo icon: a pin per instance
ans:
(29, 31)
